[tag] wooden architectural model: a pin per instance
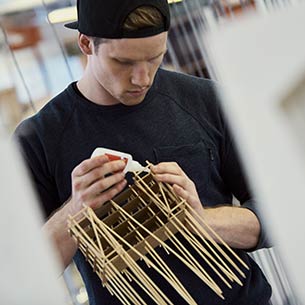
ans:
(131, 226)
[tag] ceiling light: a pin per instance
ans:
(63, 15)
(174, 1)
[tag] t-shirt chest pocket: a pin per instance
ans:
(194, 159)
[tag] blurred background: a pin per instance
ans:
(39, 57)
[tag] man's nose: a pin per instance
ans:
(140, 75)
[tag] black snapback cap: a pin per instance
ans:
(105, 18)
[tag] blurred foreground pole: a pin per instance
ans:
(29, 271)
(260, 62)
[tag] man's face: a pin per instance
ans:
(124, 69)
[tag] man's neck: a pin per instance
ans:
(94, 92)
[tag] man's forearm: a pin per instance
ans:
(56, 228)
(238, 227)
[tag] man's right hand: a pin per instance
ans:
(95, 181)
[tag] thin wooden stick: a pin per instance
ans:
(181, 228)
(148, 190)
(217, 236)
(86, 237)
(226, 269)
(136, 299)
(195, 270)
(237, 269)
(122, 285)
(122, 239)
(142, 200)
(138, 270)
(190, 236)
(210, 282)
(155, 199)
(175, 282)
(180, 246)
(155, 267)
(204, 233)
(96, 235)
(168, 210)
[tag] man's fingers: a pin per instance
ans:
(167, 167)
(107, 169)
(88, 165)
(103, 184)
(192, 200)
(171, 179)
(114, 166)
(108, 195)
(180, 191)
(96, 173)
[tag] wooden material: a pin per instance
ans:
(130, 228)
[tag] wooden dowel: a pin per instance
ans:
(224, 267)
(130, 262)
(85, 236)
(170, 275)
(209, 281)
(95, 232)
(173, 280)
(148, 190)
(201, 229)
(134, 296)
(196, 271)
(180, 246)
(158, 197)
(190, 236)
(143, 201)
(155, 199)
(218, 237)
(168, 210)
(124, 289)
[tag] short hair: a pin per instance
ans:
(141, 17)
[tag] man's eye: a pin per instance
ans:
(155, 59)
(125, 63)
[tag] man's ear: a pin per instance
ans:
(85, 44)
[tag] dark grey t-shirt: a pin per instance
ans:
(179, 120)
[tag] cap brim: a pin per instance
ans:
(72, 25)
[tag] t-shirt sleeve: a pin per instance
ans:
(33, 152)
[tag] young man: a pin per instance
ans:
(125, 102)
